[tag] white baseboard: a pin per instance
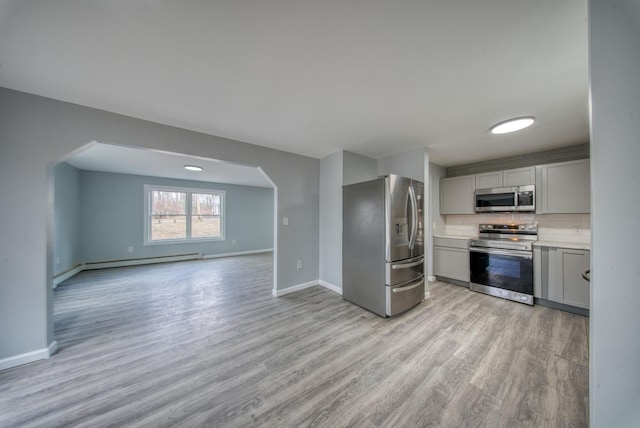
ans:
(68, 274)
(53, 348)
(278, 293)
(239, 253)
(332, 287)
(29, 357)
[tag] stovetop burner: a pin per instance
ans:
(506, 236)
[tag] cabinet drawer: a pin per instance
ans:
(451, 243)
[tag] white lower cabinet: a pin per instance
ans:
(558, 276)
(451, 258)
(570, 287)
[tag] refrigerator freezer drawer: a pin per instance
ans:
(404, 296)
(403, 271)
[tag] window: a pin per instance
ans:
(177, 214)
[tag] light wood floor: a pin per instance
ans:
(204, 343)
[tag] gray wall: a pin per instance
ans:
(358, 168)
(37, 133)
(411, 164)
(614, 360)
(112, 207)
(66, 219)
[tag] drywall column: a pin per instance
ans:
(614, 355)
(436, 223)
(331, 221)
(336, 170)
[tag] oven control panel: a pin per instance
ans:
(509, 228)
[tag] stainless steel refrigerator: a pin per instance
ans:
(383, 244)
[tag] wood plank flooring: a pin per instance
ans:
(203, 343)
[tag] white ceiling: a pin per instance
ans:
(129, 160)
(375, 77)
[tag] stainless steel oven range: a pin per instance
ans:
(501, 261)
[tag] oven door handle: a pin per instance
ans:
(513, 253)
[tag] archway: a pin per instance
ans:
(110, 158)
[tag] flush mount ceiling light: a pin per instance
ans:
(512, 125)
(193, 167)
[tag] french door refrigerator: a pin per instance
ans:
(383, 244)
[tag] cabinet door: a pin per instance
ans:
(565, 187)
(519, 176)
(451, 263)
(573, 289)
(456, 195)
(488, 180)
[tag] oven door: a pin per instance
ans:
(505, 269)
(496, 200)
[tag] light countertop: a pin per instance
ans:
(455, 237)
(559, 244)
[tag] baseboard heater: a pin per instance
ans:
(63, 276)
(141, 261)
(57, 279)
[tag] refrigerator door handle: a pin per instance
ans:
(414, 217)
(408, 287)
(407, 265)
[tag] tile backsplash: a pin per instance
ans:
(551, 227)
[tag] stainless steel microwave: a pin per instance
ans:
(506, 199)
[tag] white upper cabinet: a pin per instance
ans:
(457, 195)
(566, 187)
(506, 178)
(562, 187)
(519, 176)
(488, 180)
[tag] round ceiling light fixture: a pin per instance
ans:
(193, 167)
(512, 125)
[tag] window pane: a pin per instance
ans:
(205, 209)
(205, 226)
(168, 218)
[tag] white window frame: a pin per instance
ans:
(149, 188)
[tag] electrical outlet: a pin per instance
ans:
(233, 242)
(131, 249)
(285, 221)
(57, 260)
(299, 264)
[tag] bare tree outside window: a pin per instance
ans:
(205, 215)
(184, 214)
(169, 215)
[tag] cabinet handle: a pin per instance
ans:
(587, 275)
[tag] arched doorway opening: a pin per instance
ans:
(99, 240)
